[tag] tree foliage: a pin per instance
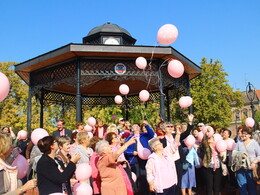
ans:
(213, 96)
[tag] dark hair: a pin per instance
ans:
(78, 124)
(93, 141)
(73, 136)
(229, 132)
(7, 128)
(109, 137)
(196, 129)
(45, 144)
(240, 128)
(248, 130)
(61, 120)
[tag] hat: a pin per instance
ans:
(121, 119)
(201, 124)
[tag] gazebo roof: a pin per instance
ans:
(72, 50)
(108, 28)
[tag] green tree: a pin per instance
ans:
(213, 96)
(13, 108)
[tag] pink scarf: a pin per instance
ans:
(128, 184)
(11, 173)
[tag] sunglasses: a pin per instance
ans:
(170, 126)
(200, 126)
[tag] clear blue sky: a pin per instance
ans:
(224, 30)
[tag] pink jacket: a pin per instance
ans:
(10, 183)
(96, 179)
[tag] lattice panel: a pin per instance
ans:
(95, 70)
(50, 96)
(170, 82)
(55, 74)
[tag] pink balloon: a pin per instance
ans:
(221, 146)
(91, 121)
(90, 135)
(175, 68)
(118, 99)
(230, 144)
(200, 136)
(167, 34)
(217, 137)
(38, 134)
(82, 189)
(22, 134)
(4, 86)
(114, 116)
(21, 163)
(144, 153)
(124, 89)
(88, 128)
(141, 62)
(134, 177)
(190, 140)
(83, 171)
(144, 95)
(185, 101)
(250, 122)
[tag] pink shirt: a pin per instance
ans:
(162, 171)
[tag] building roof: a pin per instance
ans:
(109, 28)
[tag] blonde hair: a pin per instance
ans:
(112, 128)
(5, 144)
(82, 136)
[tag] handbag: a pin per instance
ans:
(185, 165)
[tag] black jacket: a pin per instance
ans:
(56, 133)
(49, 177)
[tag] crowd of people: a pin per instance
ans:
(133, 159)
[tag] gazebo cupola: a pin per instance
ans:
(109, 34)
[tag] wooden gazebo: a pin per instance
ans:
(91, 73)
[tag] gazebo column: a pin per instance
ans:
(168, 105)
(29, 109)
(162, 97)
(189, 94)
(41, 108)
(78, 95)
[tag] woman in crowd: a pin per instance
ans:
(113, 141)
(82, 147)
(160, 168)
(49, 177)
(7, 129)
(100, 129)
(179, 155)
(79, 127)
(244, 176)
(96, 179)
(9, 184)
(64, 150)
(111, 175)
(211, 165)
(188, 178)
(63, 158)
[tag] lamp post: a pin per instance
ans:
(251, 94)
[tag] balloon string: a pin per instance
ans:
(144, 113)
(159, 75)
(148, 76)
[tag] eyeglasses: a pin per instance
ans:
(170, 126)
